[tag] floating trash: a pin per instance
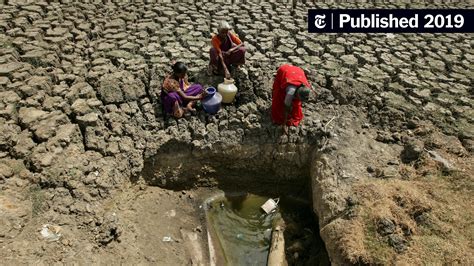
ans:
(270, 205)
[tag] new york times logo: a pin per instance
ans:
(319, 21)
(391, 20)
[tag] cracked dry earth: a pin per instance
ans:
(387, 142)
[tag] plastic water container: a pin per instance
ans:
(270, 205)
(212, 102)
(228, 90)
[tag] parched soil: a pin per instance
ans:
(85, 150)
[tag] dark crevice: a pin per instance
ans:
(147, 82)
(36, 140)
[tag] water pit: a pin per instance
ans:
(241, 179)
(241, 232)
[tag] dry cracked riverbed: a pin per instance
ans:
(385, 148)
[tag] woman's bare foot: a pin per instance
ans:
(190, 107)
(178, 112)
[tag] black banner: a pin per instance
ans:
(391, 20)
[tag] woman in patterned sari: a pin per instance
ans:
(177, 95)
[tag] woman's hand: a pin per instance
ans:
(227, 74)
(233, 49)
(202, 95)
(285, 130)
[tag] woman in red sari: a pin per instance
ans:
(227, 50)
(290, 88)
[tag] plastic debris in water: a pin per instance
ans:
(51, 232)
(270, 205)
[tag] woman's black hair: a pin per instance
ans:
(179, 68)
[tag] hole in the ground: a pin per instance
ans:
(241, 233)
(248, 175)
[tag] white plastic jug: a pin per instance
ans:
(228, 90)
(270, 205)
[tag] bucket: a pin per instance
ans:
(270, 205)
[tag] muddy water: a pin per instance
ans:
(243, 230)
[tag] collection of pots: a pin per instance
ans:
(225, 93)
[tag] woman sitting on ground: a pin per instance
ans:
(227, 51)
(177, 92)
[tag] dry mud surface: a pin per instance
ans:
(387, 142)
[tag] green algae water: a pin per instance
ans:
(242, 231)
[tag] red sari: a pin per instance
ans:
(287, 75)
